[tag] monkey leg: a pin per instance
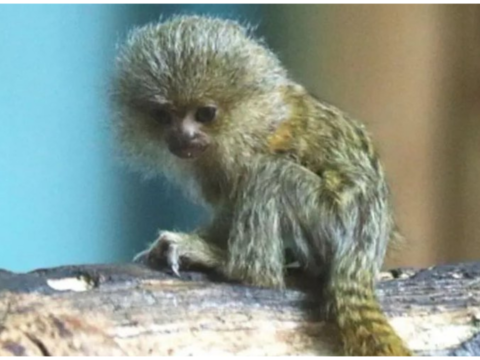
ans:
(270, 199)
(177, 249)
(339, 228)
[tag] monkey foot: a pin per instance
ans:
(164, 249)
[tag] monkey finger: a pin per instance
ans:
(141, 257)
(173, 259)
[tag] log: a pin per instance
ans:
(132, 310)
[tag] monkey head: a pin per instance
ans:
(182, 84)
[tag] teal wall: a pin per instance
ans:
(64, 197)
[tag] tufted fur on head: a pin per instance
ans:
(188, 61)
(191, 58)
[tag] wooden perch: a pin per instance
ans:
(131, 310)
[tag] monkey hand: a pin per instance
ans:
(166, 249)
(179, 250)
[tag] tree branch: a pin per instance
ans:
(131, 310)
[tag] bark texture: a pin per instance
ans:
(131, 310)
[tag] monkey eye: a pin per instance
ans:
(163, 116)
(206, 114)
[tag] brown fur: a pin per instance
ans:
(282, 168)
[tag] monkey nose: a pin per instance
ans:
(190, 135)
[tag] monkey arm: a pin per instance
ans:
(247, 240)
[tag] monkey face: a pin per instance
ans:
(168, 75)
(184, 130)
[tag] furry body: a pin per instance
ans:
(276, 166)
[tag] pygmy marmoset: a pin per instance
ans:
(205, 103)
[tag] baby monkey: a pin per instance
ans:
(203, 102)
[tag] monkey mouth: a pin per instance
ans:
(188, 152)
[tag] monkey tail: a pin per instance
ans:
(363, 327)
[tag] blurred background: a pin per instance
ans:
(410, 72)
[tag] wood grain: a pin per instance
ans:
(132, 310)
